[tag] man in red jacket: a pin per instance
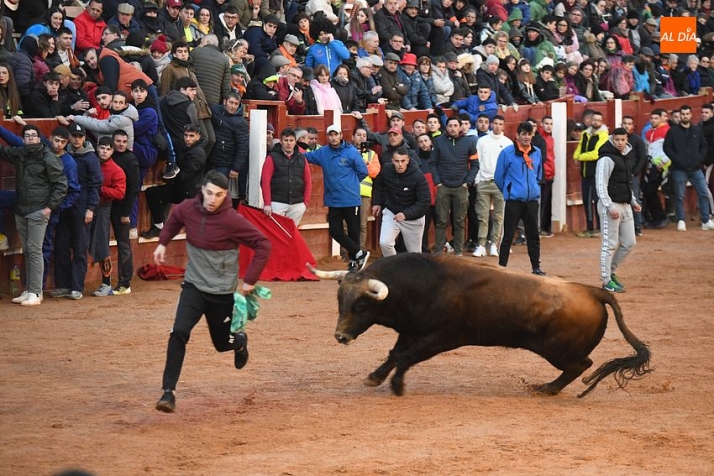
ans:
(89, 27)
(545, 129)
(214, 230)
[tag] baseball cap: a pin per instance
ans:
(395, 130)
(77, 130)
(579, 126)
(334, 128)
(65, 70)
(238, 69)
(174, 3)
(397, 114)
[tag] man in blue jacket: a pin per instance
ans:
(342, 170)
(518, 173)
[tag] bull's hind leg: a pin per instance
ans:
(376, 378)
(569, 374)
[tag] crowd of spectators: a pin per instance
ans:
(161, 80)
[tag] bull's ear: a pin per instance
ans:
(377, 290)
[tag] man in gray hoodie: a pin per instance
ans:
(123, 115)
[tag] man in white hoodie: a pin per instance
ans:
(488, 148)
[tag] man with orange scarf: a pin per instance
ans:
(517, 175)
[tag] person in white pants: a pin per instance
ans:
(613, 182)
(401, 194)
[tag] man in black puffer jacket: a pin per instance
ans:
(401, 193)
(230, 153)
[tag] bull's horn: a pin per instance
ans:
(378, 290)
(333, 275)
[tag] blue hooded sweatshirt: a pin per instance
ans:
(342, 169)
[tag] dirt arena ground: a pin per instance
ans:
(80, 381)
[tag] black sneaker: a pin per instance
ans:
(151, 233)
(520, 241)
(167, 402)
(241, 350)
(170, 171)
(538, 272)
(361, 259)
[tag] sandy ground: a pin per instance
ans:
(80, 381)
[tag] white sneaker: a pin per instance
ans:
(32, 300)
(22, 297)
(681, 226)
(493, 251)
(708, 225)
(480, 251)
(104, 290)
(133, 234)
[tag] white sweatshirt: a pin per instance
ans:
(488, 148)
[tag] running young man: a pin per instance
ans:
(214, 230)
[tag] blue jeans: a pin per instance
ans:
(696, 178)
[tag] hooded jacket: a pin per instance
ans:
(145, 129)
(473, 106)
(514, 178)
(232, 139)
(406, 193)
(331, 55)
(40, 181)
(21, 64)
(587, 150)
(212, 241)
(613, 176)
(105, 127)
(342, 169)
(177, 110)
(90, 177)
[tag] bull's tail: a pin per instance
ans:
(625, 369)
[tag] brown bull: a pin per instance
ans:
(439, 303)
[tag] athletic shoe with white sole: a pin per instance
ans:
(133, 234)
(681, 226)
(104, 290)
(76, 295)
(480, 251)
(708, 225)
(19, 299)
(493, 251)
(60, 292)
(32, 300)
(122, 290)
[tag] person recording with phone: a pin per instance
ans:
(371, 159)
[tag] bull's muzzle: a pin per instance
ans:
(343, 338)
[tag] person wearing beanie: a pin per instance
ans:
(487, 75)
(159, 53)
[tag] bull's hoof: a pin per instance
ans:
(545, 389)
(397, 388)
(373, 381)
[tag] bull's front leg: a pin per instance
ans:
(421, 350)
(376, 378)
